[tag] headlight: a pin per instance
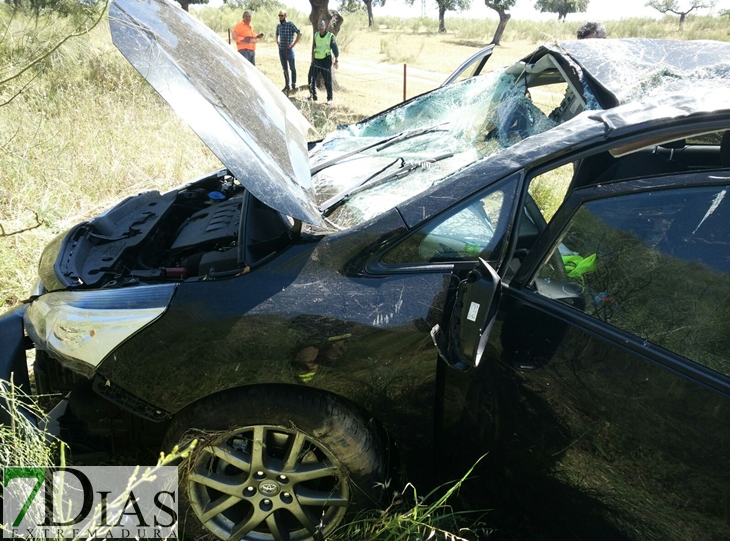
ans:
(80, 328)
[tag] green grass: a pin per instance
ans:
(22, 443)
(25, 443)
(395, 53)
(695, 27)
(548, 190)
(411, 517)
(86, 131)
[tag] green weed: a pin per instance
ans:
(411, 517)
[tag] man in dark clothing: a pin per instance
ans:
(287, 36)
(325, 47)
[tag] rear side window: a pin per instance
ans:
(655, 264)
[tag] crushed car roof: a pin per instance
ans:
(634, 69)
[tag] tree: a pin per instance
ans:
(447, 5)
(561, 7)
(351, 6)
(450, 5)
(501, 7)
(678, 8)
(185, 4)
(320, 12)
(255, 5)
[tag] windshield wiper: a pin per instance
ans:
(329, 206)
(332, 203)
(379, 145)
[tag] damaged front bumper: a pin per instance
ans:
(13, 364)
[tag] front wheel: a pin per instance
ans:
(275, 464)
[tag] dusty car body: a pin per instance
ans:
(334, 311)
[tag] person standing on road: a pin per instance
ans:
(325, 47)
(245, 37)
(287, 36)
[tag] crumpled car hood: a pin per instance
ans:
(239, 114)
(634, 69)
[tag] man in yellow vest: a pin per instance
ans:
(245, 37)
(325, 47)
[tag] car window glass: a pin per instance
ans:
(548, 190)
(473, 231)
(655, 264)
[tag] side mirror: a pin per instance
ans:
(463, 342)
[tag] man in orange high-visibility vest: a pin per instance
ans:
(245, 37)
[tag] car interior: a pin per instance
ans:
(545, 72)
(708, 151)
(693, 153)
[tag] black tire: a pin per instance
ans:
(274, 463)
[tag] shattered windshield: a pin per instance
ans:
(362, 170)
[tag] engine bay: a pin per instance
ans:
(210, 229)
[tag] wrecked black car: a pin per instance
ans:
(404, 294)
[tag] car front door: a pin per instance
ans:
(471, 67)
(604, 393)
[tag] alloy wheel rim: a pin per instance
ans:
(268, 483)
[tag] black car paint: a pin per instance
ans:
(330, 308)
(365, 337)
(13, 365)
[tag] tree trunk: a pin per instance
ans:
(185, 4)
(504, 18)
(319, 12)
(442, 25)
(681, 20)
(369, 7)
(335, 22)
